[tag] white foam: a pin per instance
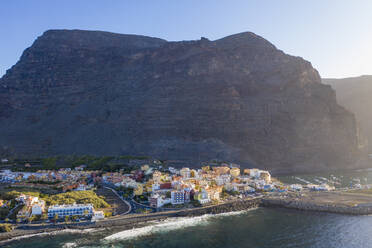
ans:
(89, 230)
(168, 225)
(69, 245)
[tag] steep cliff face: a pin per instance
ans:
(237, 99)
(355, 95)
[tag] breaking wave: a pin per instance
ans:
(89, 230)
(168, 225)
(69, 245)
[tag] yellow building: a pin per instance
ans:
(220, 170)
(148, 185)
(156, 176)
(235, 172)
(247, 171)
(165, 177)
(138, 190)
(206, 168)
(215, 193)
(265, 175)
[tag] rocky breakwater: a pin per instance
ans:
(299, 204)
(233, 206)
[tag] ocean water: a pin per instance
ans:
(340, 179)
(257, 228)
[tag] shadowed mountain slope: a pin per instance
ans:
(238, 99)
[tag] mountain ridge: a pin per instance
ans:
(237, 98)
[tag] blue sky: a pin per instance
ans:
(335, 35)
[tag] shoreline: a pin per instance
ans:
(136, 220)
(130, 221)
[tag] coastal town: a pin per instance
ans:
(78, 194)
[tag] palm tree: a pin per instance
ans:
(55, 217)
(44, 216)
(31, 218)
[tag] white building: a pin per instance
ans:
(187, 194)
(37, 208)
(149, 171)
(296, 187)
(129, 182)
(70, 210)
(32, 206)
(157, 201)
(249, 189)
(81, 187)
(202, 197)
(322, 187)
(177, 197)
(185, 173)
(228, 186)
(155, 186)
(98, 215)
(173, 170)
(255, 173)
(80, 167)
(223, 179)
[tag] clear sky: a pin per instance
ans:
(335, 35)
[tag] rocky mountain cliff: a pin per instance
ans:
(355, 94)
(238, 99)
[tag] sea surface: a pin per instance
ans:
(255, 228)
(339, 179)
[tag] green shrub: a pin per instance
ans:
(49, 163)
(3, 213)
(80, 197)
(6, 227)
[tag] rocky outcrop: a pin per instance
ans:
(236, 99)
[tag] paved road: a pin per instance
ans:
(122, 199)
(12, 210)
